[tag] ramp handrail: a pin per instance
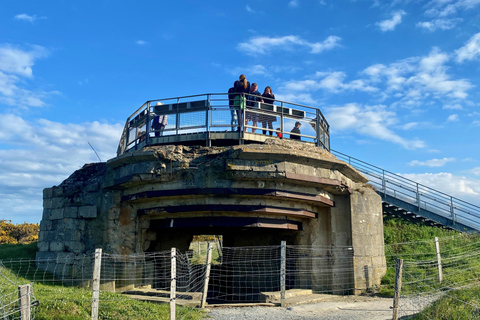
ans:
(414, 193)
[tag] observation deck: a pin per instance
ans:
(214, 119)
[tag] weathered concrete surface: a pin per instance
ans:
(260, 194)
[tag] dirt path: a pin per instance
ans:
(338, 308)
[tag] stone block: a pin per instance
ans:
(46, 213)
(56, 214)
(72, 235)
(47, 203)
(43, 246)
(45, 225)
(71, 212)
(58, 202)
(57, 191)
(47, 236)
(71, 224)
(75, 246)
(66, 257)
(47, 193)
(57, 246)
(88, 212)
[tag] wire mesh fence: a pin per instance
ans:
(436, 273)
(16, 296)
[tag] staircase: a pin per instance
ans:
(408, 199)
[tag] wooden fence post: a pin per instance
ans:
(439, 260)
(398, 287)
(207, 276)
(283, 267)
(24, 301)
(173, 282)
(96, 283)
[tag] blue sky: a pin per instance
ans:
(397, 80)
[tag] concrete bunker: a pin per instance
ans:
(159, 197)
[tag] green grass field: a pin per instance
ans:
(70, 303)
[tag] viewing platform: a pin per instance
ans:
(213, 119)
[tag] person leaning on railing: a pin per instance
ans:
(240, 86)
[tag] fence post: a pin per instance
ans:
(398, 287)
(283, 265)
(439, 260)
(24, 300)
(96, 283)
(173, 282)
(207, 276)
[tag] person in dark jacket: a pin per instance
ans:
(296, 131)
(254, 97)
(268, 119)
(235, 112)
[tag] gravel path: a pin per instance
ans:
(340, 308)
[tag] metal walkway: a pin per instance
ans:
(406, 198)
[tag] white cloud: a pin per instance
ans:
(443, 24)
(390, 24)
(141, 42)
(263, 45)
(249, 9)
(444, 8)
(16, 66)
(455, 106)
(475, 171)
(452, 118)
(465, 188)
(293, 3)
(329, 81)
(417, 78)
(470, 51)
(432, 162)
(29, 18)
(43, 154)
(372, 121)
(257, 69)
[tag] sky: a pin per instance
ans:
(396, 80)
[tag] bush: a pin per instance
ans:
(21, 233)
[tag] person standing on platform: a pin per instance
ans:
(296, 131)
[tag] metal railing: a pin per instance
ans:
(205, 114)
(422, 197)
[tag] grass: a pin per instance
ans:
(70, 303)
(18, 251)
(415, 241)
(448, 307)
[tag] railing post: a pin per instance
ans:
(418, 197)
(317, 127)
(96, 283)
(281, 120)
(452, 210)
(384, 184)
(177, 118)
(147, 125)
(24, 300)
(439, 260)
(398, 287)
(173, 282)
(283, 267)
(208, 121)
